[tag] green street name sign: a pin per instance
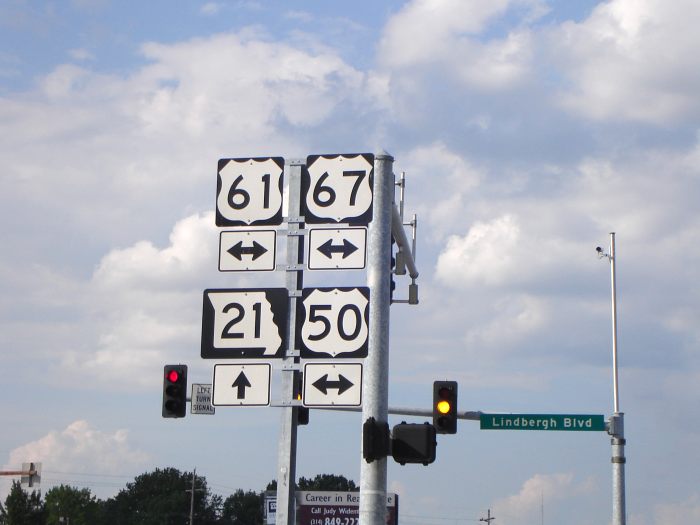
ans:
(575, 422)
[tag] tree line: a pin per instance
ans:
(161, 497)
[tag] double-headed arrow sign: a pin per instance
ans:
(247, 250)
(238, 250)
(321, 391)
(328, 248)
(342, 384)
(337, 248)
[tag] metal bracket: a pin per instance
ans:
(290, 267)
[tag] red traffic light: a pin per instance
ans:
(174, 390)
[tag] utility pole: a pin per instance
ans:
(488, 518)
(191, 491)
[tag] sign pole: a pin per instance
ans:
(375, 382)
(287, 446)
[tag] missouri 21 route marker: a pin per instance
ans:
(248, 323)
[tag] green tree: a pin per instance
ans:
(243, 508)
(329, 482)
(64, 504)
(161, 497)
(22, 508)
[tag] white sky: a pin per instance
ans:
(528, 130)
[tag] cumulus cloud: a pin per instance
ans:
(189, 97)
(631, 60)
(192, 251)
(444, 179)
(148, 304)
(528, 501)
(427, 32)
(81, 448)
(483, 255)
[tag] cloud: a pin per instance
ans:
(149, 304)
(444, 179)
(484, 255)
(527, 502)
(81, 54)
(81, 448)
(680, 511)
(192, 250)
(210, 8)
(201, 84)
(451, 36)
(631, 60)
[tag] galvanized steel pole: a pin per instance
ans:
(617, 427)
(375, 380)
(287, 445)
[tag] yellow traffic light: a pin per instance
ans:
(443, 407)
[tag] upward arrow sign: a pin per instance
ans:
(241, 383)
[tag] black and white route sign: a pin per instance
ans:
(247, 250)
(239, 384)
(337, 189)
(330, 384)
(249, 191)
(247, 323)
(337, 248)
(333, 322)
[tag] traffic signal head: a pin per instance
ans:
(445, 407)
(174, 390)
